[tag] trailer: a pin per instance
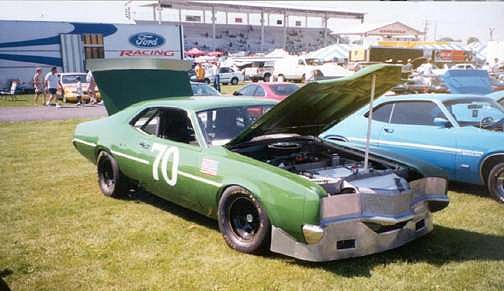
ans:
(26, 45)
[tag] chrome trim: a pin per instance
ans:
(312, 233)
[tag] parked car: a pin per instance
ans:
(462, 134)
(278, 91)
(202, 89)
(268, 180)
(227, 75)
(260, 71)
(498, 96)
(297, 68)
(419, 84)
(69, 82)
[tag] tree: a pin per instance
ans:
(472, 39)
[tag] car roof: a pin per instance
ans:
(429, 97)
(198, 103)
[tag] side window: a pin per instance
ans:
(381, 112)
(176, 126)
(224, 70)
(416, 113)
(259, 92)
(249, 90)
(147, 121)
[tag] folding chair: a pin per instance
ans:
(11, 92)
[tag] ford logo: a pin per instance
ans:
(147, 40)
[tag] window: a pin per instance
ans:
(279, 22)
(176, 126)
(238, 20)
(260, 92)
(147, 121)
(93, 45)
(298, 22)
(471, 111)
(193, 18)
(381, 112)
(284, 89)
(167, 123)
(221, 125)
(224, 70)
(416, 113)
(203, 90)
(248, 90)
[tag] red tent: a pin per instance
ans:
(215, 54)
(195, 52)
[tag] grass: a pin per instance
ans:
(58, 232)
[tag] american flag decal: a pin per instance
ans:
(209, 167)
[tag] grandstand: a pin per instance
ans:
(290, 29)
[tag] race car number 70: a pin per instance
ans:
(165, 153)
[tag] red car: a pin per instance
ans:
(277, 91)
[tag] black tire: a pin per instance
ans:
(110, 179)
(267, 77)
(234, 81)
(495, 182)
(243, 222)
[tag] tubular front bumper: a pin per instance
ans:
(365, 223)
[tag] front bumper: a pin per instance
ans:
(360, 224)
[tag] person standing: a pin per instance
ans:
(79, 92)
(38, 86)
(496, 66)
(52, 83)
(200, 73)
(91, 88)
(216, 76)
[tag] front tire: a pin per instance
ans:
(110, 179)
(234, 81)
(243, 222)
(495, 182)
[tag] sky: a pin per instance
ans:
(458, 20)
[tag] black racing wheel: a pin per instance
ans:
(243, 222)
(495, 182)
(112, 182)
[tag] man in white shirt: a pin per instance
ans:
(52, 82)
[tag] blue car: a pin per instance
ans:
(498, 96)
(460, 133)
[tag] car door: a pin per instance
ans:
(225, 75)
(168, 144)
(415, 131)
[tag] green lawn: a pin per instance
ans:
(58, 232)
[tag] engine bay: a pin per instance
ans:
(331, 167)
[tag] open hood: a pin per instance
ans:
(319, 105)
(467, 81)
(125, 82)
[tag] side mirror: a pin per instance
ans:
(236, 93)
(441, 122)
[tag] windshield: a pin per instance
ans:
(72, 79)
(221, 125)
(314, 62)
(204, 90)
(284, 89)
(474, 111)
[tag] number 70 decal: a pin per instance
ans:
(164, 154)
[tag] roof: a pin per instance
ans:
(242, 6)
(429, 97)
(198, 103)
(394, 28)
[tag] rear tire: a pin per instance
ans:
(243, 222)
(495, 182)
(110, 179)
(234, 81)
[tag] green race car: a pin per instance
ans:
(258, 167)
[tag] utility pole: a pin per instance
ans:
(426, 26)
(491, 29)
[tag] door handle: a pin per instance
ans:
(388, 130)
(144, 145)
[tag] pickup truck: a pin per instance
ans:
(299, 68)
